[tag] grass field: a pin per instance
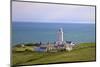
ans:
(82, 52)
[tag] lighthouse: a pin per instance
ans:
(59, 37)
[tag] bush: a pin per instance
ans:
(28, 50)
(18, 45)
(29, 44)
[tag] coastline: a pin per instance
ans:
(80, 53)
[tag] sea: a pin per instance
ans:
(31, 32)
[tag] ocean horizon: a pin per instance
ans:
(24, 32)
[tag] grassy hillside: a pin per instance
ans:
(25, 56)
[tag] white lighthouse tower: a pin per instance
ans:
(59, 37)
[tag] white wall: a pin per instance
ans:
(5, 33)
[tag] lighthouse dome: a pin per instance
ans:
(60, 30)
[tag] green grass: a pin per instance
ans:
(82, 52)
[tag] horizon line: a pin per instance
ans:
(51, 22)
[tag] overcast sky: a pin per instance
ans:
(42, 12)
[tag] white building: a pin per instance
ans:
(59, 45)
(59, 37)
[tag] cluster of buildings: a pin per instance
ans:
(59, 45)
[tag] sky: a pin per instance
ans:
(52, 13)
